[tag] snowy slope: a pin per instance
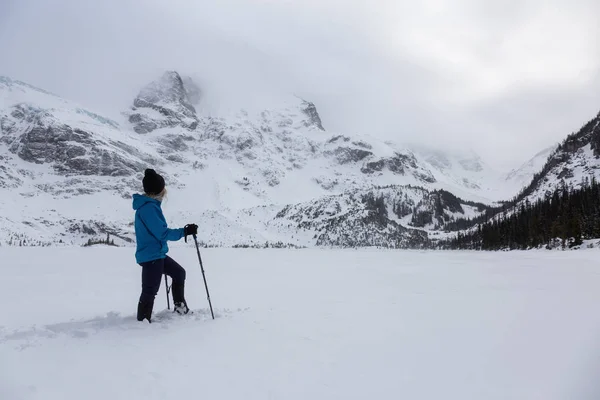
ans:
(309, 324)
(464, 173)
(572, 171)
(573, 162)
(523, 175)
(63, 169)
(394, 216)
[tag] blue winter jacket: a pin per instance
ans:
(151, 231)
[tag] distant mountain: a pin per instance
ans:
(523, 175)
(396, 217)
(571, 165)
(463, 173)
(67, 173)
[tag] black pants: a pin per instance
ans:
(152, 273)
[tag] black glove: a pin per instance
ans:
(190, 229)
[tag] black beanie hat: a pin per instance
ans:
(153, 182)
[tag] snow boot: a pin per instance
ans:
(181, 308)
(144, 311)
(180, 305)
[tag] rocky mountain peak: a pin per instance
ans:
(167, 90)
(165, 103)
(311, 112)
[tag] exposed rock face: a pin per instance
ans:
(9, 177)
(167, 91)
(366, 159)
(164, 104)
(45, 140)
(313, 115)
(172, 146)
(345, 155)
(401, 164)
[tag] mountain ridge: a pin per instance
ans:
(74, 168)
(576, 158)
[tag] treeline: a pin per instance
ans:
(22, 240)
(570, 215)
(108, 241)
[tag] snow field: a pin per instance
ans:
(303, 324)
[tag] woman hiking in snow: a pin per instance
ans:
(152, 234)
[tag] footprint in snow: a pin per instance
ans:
(112, 321)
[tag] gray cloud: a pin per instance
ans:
(504, 78)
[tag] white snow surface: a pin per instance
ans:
(303, 324)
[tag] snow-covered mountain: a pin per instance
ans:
(570, 164)
(67, 173)
(165, 103)
(464, 173)
(61, 165)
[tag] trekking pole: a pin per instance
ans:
(167, 289)
(204, 277)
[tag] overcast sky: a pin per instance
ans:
(506, 78)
